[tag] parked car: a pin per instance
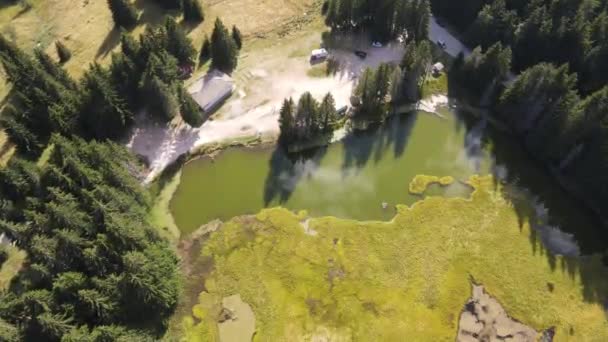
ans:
(319, 55)
(361, 54)
(376, 44)
(442, 44)
(342, 111)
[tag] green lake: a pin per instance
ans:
(354, 177)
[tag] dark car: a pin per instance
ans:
(361, 54)
(442, 44)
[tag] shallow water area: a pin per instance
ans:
(367, 173)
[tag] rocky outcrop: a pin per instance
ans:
(484, 319)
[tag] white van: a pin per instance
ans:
(319, 54)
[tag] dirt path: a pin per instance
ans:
(270, 76)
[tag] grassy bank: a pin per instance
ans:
(406, 279)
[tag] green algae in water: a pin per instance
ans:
(407, 279)
(354, 178)
(350, 179)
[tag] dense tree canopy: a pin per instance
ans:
(95, 266)
(386, 19)
(308, 119)
(47, 100)
(224, 49)
(558, 103)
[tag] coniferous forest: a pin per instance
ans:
(556, 96)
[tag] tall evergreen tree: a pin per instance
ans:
(178, 43)
(191, 112)
(163, 100)
(287, 120)
(55, 70)
(105, 113)
(123, 13)
(224, 52)
(236, 35)
(327, 113)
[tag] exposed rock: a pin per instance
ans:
(484, 319)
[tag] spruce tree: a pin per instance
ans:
(327, 113)
(287, 120)
(224, 51)
(191, 112)
(105, 113)
(193, 11)
(53, 69)
(178, 43)
(307, 116)
(163, 100)
(63, 52)
(236, 35)
(123, 13)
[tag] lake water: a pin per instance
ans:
(353, 178)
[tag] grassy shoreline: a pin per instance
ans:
(361, 280)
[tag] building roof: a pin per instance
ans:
(208, 91)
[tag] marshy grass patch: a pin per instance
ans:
(421, 183)
(407, 279)
(435, 85)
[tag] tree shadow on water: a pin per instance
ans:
(560, 224)
(287, 170)
(392, 135)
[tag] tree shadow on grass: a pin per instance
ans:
(151, 13)
(109, 43)
(560, 224)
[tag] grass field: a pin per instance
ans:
(86, 26)
(402, 280)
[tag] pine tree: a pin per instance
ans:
(287, 120)
(162, 100)
(63, 52)
(105, 113)
(191, 112)
(19, 134)
(224, 52)
(123, 13)
(193, 10)
(307, 116)
(55, 70)
(205, 50)
(178, 43)
(236, 35)
(327, 112)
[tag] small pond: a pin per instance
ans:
(353, 178)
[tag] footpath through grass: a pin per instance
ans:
(402, 280)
